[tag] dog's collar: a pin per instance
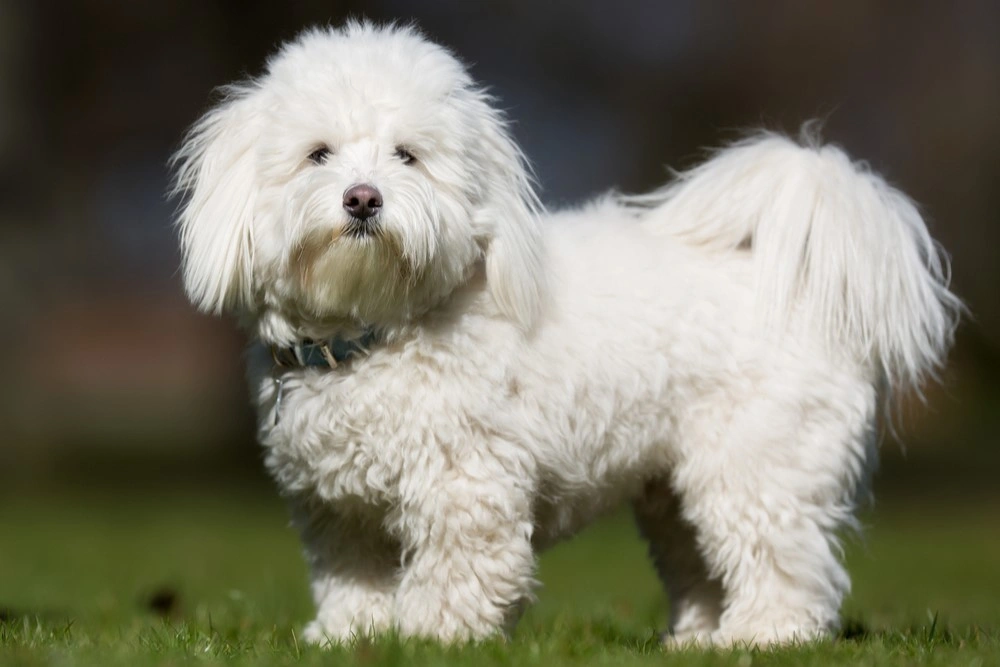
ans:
(322, 354)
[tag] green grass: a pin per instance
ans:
(78, 570)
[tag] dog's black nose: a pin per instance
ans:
(362, 201)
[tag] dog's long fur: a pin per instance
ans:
(713, 353)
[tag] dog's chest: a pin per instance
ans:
(334, 442)
(371, 431)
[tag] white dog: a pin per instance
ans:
(455, 378)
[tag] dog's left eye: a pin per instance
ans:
(319, 155)
(405, 155)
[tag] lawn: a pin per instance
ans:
(208, 577)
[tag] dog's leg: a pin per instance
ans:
(469, 564)
(695, 598)
(781, 578)
(766, 488)
(353, 567)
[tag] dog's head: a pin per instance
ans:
(361, 179)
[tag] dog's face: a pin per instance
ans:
(360, 180)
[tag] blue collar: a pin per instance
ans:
(322, 354)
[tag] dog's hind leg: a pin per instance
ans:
(767, 483)
(695, 598)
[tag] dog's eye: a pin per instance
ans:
(405, 155)
(319, 155)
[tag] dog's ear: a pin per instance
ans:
(216, 176)
(515, 270)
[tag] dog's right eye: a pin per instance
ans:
(319, 155)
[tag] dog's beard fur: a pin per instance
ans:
(343, 275)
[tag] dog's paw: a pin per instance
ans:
(314, 634)
(318, 634)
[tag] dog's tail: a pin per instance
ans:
(834, 247)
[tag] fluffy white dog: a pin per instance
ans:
(450, 378)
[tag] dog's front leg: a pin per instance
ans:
(468, 561)
(353, 568)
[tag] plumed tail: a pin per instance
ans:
(834, 247)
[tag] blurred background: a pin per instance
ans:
(115, 385)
